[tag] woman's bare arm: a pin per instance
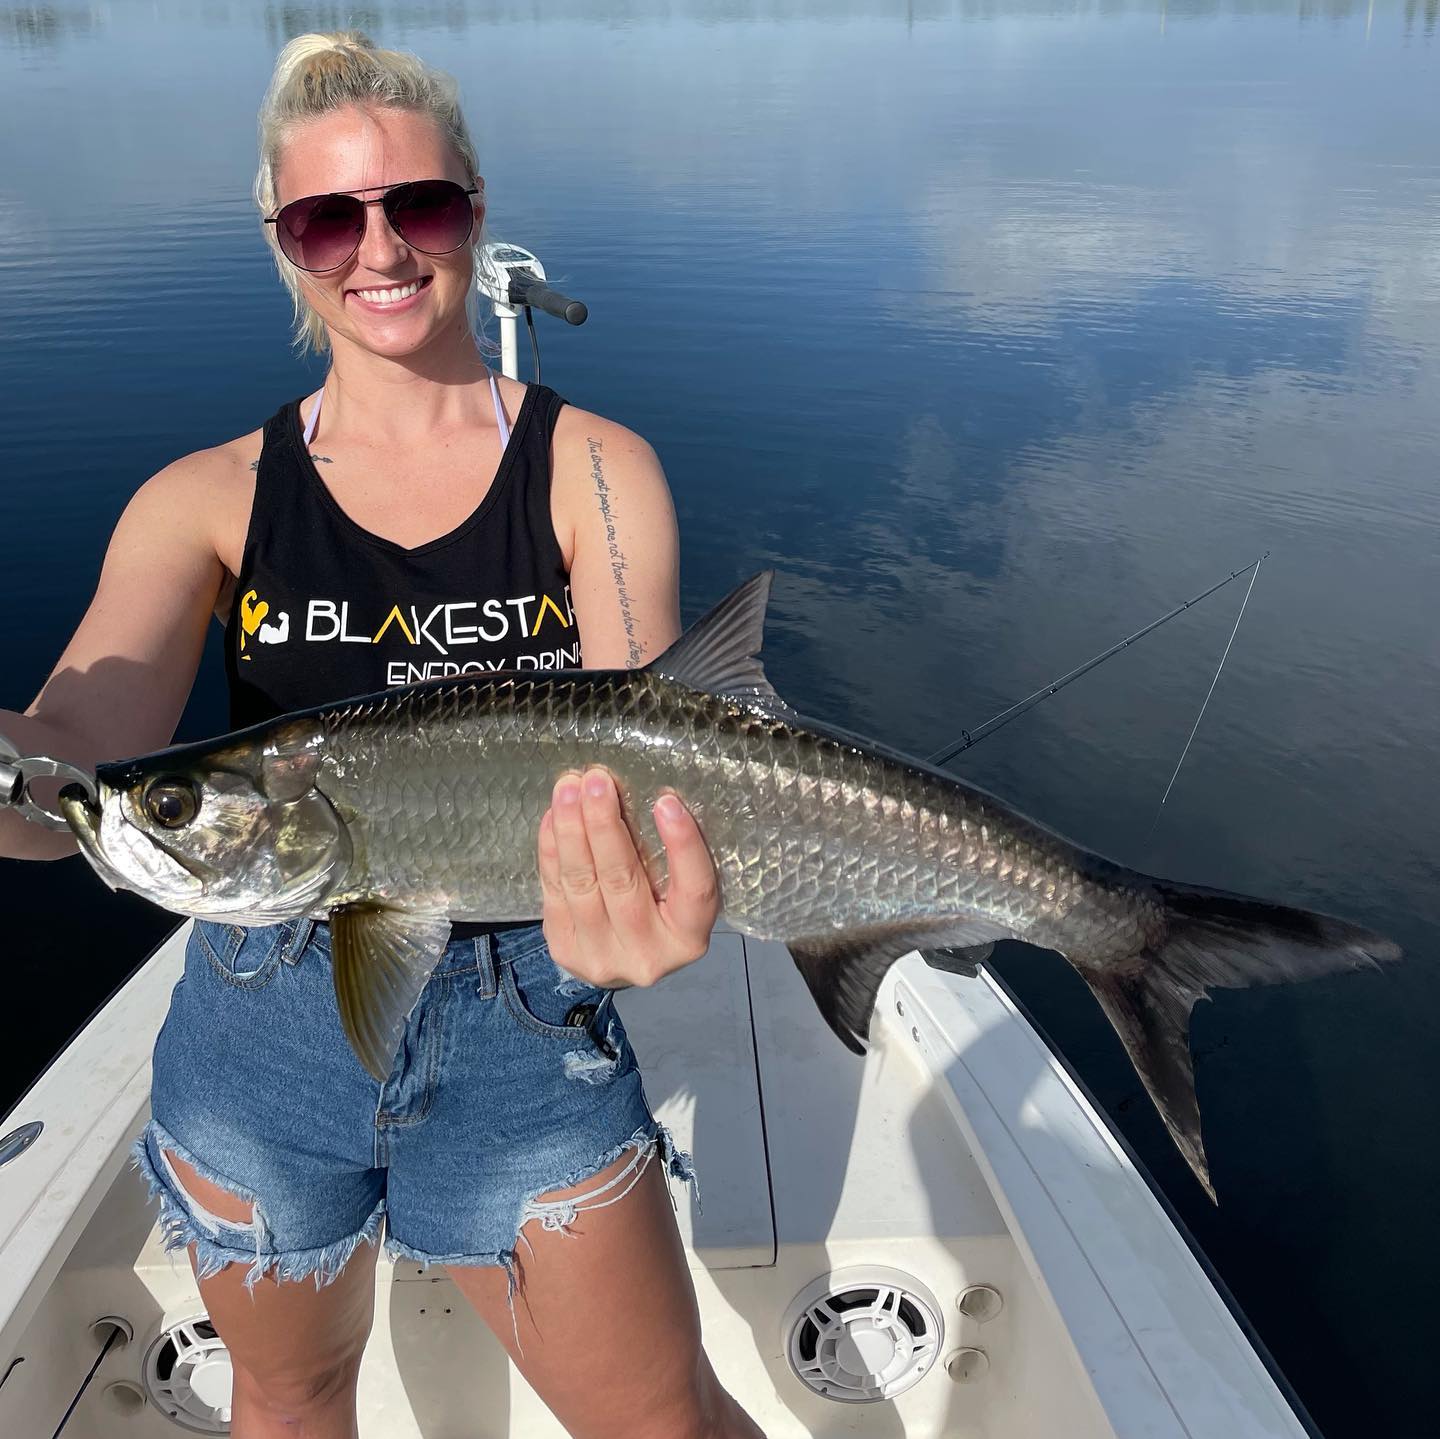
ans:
(122, 681)
(616, 525)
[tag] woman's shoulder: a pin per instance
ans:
(607, 489)
(210, 491)
(586, 444)
(215, 467)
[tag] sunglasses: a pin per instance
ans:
(321, 232)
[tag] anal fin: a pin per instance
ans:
(382, 959)
(844, 969)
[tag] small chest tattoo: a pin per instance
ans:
(319, 460)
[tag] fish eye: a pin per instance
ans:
(172, 802)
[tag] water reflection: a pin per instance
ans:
(39, 27)
(283, 22)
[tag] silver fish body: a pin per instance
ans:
(443, 791)
(393, 814)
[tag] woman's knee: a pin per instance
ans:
(295, 1349)
(700, 1411)
(294, 1393)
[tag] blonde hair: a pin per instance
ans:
(319, 73)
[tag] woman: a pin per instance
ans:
(417, 506)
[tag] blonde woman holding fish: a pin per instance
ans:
(418, 517)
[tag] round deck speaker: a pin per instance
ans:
(862, 1335)
(187, 1376)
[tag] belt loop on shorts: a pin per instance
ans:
(486, 986)
(298, 939)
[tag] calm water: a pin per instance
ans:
(997, 328)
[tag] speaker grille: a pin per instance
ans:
(864, 1335)
(187, 1376)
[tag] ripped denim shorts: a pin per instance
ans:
(513, 1079)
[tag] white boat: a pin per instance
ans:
(942, 1239)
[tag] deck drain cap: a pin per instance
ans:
(863, 1335)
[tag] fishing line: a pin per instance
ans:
(971, 737)
(1195, 727)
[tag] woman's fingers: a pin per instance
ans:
(602, 919)
(691, 903)
(559, 925)
(578, 880)
(618, 868)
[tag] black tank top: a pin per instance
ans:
(324, 610)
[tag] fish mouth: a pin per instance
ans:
(77, 806)
(83, 815)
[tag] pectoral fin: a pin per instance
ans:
(382, 958)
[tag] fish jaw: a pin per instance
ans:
(97, 834)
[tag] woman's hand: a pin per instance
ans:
(602, 920)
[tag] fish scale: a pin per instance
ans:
(828, 837)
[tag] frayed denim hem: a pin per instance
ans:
(182, 1227)
(559, 1215)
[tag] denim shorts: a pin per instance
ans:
(513, 1079)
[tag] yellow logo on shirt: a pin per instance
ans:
(252, 622)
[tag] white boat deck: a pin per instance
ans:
(957, 1153)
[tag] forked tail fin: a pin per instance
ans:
(1213, 940)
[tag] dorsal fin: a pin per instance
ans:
(721, 652)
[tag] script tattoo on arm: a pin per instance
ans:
(618, 564)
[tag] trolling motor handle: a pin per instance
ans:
(525, 290)
(513, 277)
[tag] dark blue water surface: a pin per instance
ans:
(997, 328)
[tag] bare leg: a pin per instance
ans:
(296, 1349)
(608, 1326)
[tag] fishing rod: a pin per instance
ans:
(972, 737)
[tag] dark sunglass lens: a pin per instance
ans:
(321, 232)
(433, 216)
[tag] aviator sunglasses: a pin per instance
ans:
(321, 232)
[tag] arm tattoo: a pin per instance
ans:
(618, 565)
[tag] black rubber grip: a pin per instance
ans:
(540, 296)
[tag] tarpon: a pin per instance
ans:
(391, 815)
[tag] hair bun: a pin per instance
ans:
(350, 40)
